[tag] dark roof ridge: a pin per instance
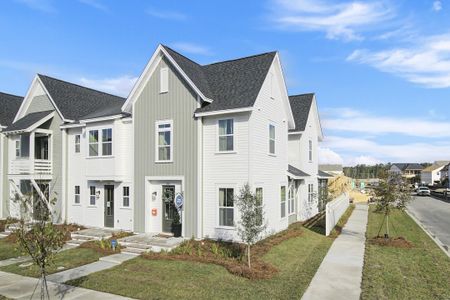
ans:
(8, 94)
(81, 86)
(305, 94)
(239, 58)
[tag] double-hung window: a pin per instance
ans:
(126, 196)
(226, 135)
(310, 193)
(92, 195)
(271, 139)
(226, 207)
(164, 141)
(291, 202)
(93, 143)
(259, 194)
(77, 143)
(77, 195)
(17, 148)
(283, 201)
(310, 151)
(107, 142)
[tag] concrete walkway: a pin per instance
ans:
(20, 287)
(339, 276)
(104, 263)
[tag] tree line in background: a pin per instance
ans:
(373, 171)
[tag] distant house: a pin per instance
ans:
(410, 171)
(432, 174)
(333, 169)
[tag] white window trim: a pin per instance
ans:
(129, 197)
(233, 135)
(163, 89)
(310, 150)
(157, 130)
(77, 144)
(18, 142)
(310, 193)
(285, 200)
(90, 195)
(100, 142)
(224, 186)
(75, 195)
(291, 201)
(275, 139)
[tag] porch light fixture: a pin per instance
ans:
(97, 194)
(154, 196)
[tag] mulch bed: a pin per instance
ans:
(398, 242)
(231, 255)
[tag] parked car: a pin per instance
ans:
(423, 191)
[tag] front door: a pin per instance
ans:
(168, 207)
(109, 206)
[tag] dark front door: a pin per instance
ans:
(168, 206)
(109, 206)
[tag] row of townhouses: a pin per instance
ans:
(200, 131)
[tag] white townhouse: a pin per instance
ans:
(199, 132)
(432, 174)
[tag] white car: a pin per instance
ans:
(423, 191)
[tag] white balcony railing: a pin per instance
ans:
(31, 167)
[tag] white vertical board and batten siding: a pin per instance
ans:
(179, 105)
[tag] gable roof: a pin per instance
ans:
(9, 104)
(296, 172)
(231, 84)
(75, 102)
(301, 106)
(28, 121)
(324, 174)
(408, 166)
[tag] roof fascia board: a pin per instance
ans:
(319, 123)
(100, 119)
(291, 121)
(24, 105)
(53, 102)
(67, 126)
(295, 176)
(40, 122)
(223, 112)
(148, 71)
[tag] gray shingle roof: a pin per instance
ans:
(28, 120)
(230, 84)
(296, 172)
(9, 105)
(324, 174)
(408, 166)
(76, 102)
(300, 105)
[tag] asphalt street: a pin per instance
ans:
(434, 214)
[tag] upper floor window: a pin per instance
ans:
(106, 142)
(77, 143)
(18, 149)
(93, 143)
(272, 139)
(310, 150)
(126, 196)
(164, 141)
(105, 136)
(164, 80)
(283, 201)
(226, 135)
(226, 207)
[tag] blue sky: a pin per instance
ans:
(380, 68)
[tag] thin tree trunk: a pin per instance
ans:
(248, 256)
(387, 225)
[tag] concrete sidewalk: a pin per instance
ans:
(339, 276)
(20, 287)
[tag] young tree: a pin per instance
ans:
(392, 192)
(37, 235)
(252, 222)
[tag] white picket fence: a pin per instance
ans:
(334, 210)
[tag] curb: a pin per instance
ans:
(433, 237)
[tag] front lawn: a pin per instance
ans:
(419, 272)
(8, 249)
(297, 260)
(68, 259)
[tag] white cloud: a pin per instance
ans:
(408, 152)
(328, 156)
(338, 20)
(191, 48)
(426, 62)
(437, 5)
(41, 5)
(95, 4)
(363, 160)
(165, 14)
(121, 85)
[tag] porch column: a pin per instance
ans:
(32, 153)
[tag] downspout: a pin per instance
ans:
(2, 155)
(64, 183)
(199, 173)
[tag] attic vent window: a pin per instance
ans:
(272, 87)
(164, 80)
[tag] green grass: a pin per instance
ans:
(68, 259)
(420, 272)
(297, 259)
(8, 250)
